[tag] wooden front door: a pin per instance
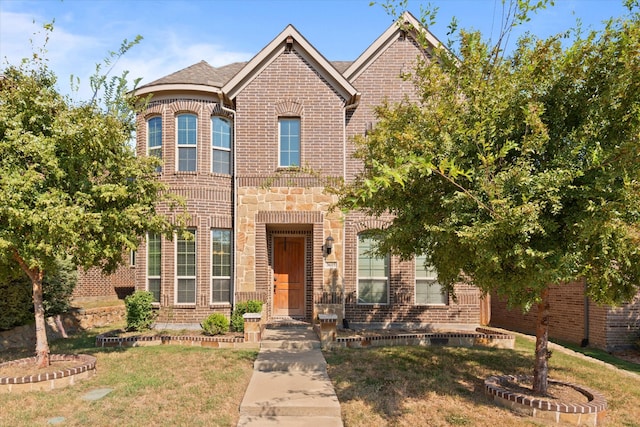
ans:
(288, 276)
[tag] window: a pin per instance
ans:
(186, 269)
(428, 290)
(187, 158)
(289, 142)
(132, 258)
(372, 273)
(154, 263)
(220, 266)
(221, 145)
(154, 139)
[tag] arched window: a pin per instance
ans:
(221, 137)
(187, 142)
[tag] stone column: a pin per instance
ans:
(328, 326)
(252, 327)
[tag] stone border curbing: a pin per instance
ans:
(482, 337)
(591, 413)
(105, 340)
(50, 380)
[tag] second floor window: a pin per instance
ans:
(289, 131)
(221, 145)
(187, 137)
(154, 138)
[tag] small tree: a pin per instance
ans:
(516, 172)
(70, 185)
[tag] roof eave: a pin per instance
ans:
(169, 87)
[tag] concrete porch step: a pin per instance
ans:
(287, 360)
(281, 394)
(250, 421)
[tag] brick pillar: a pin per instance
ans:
(252, 327)
(328, 326)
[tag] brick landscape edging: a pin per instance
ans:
(591, 413)
(57, 379)
(105, 340)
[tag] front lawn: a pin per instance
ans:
(443, 386)
(159, 386)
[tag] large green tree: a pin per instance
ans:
(70, 183)
(516, 171)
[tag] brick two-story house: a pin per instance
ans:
(249, 146)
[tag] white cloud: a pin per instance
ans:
(72, 53)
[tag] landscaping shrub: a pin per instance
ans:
(251, 306)
(16, 304)
(215, 324)
(140, 315)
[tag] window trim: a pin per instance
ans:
(215, 148)
(418, 263)
(184, 146)
(280, 121)
(154, 277)
(387, 261)
(194, 278)
(229, 277)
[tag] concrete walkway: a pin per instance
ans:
(290, 385)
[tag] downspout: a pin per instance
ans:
(345, 322)
(234, 201)
(585, 340)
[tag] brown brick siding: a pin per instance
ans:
(609, 328)
(92, 284)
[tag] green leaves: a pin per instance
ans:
(516, 172)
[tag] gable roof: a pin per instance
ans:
(407, 20)
(292, 38)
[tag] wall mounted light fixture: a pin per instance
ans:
(328, 246)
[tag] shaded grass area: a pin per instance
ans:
(602, 355)
(443, 386)
(160, 386)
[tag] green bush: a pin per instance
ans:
(215, 324)
(16, 304)
(251, 306)
(140, 315)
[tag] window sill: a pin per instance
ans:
(219, 304)
(184, 305)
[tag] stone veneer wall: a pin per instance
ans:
(294, 209)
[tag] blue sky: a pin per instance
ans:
(180, 33)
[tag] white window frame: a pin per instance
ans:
(193, 277)
(430, 282)
(186, 146)
(280, 120)
(154, 277)
(228, 301)
(215, 148)
(376, 278)
(155, 151)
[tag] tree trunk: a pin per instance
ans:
(541, 366)
(42, 344)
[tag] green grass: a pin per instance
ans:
(443, 386)
(159, 386)
(603, 356)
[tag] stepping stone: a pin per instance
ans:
(97, 394)
(56, 420)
